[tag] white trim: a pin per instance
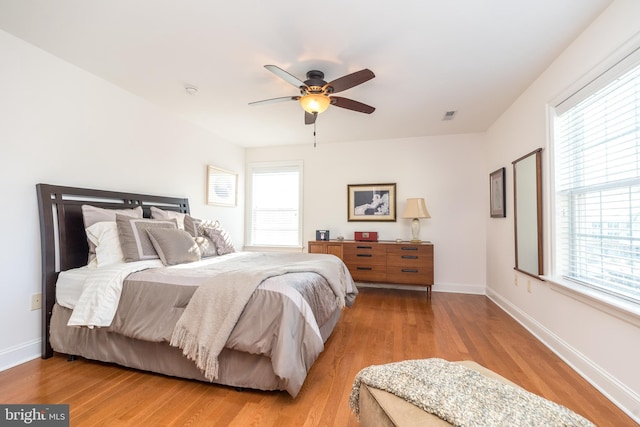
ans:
(249, 170)
(460, 288)
(615, 390)
(620, 61)
(625, 54)
(19, 354)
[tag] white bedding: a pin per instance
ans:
(94, 293)
(71, 284)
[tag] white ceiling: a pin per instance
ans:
(429, 57)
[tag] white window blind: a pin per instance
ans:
(275, 204)
(597, 187)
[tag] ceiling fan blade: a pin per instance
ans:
(309, 118)
(349, 81)
(350, 104)
(285, 76)
(272, 100)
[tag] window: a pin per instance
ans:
(597, 183)
(275, 204)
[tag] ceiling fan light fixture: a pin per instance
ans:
(314, 103)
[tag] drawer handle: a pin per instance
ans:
(364, 255)
(406, 270)
(409, 256)
(409, 248)
(364, 247)
(364, 268)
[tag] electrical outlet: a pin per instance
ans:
(36, 302)
(529, 286)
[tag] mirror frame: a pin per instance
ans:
(527, 200)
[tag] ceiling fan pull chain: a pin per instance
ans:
(314, 130)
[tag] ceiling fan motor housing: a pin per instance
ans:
(315, 82)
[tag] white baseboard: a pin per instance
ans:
(457, 288)
(615, 390)
(19, 354)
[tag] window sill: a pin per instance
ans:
(618, 307)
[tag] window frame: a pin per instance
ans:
(621, 62)
(251, 168)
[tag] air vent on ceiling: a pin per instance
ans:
(449, 115)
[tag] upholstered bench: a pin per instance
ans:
(379, 408)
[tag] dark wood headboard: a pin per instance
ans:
(63, 238)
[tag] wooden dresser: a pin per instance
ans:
(383, 262)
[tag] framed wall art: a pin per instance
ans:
(221, 187)
(497, 195)
(371, 202)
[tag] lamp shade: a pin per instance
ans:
(314, 103)
(416, 208)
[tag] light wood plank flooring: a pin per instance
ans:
(383, 326)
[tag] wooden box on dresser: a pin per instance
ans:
(391, 263)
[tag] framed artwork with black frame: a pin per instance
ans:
(497, 195)
(371, 202)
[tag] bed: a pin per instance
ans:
(279, 309)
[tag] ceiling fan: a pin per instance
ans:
(316, 94)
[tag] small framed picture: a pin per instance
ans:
(221, 187)
(497, 197)
(371, 202)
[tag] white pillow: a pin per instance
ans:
(92, 214)
(105, 236)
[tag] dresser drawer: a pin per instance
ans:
(408, 249)
(367, 273)
(407, 275)
(369, 254)
(412, 256)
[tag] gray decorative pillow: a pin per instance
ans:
(207, 248)
(157, 213)
(174, 246)
(220, 238)
(92, 215)
(134, 239)
(191, 225)
(194, 226)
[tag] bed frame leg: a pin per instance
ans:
(239, 389)
(71, 358)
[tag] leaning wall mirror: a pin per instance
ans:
(527, 197)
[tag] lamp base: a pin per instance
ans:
(415, 241)
(415, 230)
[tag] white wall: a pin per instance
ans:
(52, 113)
(603, 347)
(448, 171)
(60, 125)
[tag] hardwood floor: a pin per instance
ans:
(383, 326)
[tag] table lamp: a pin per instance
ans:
(414, 210)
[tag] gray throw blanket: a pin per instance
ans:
(215, 307)
(462, 396)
